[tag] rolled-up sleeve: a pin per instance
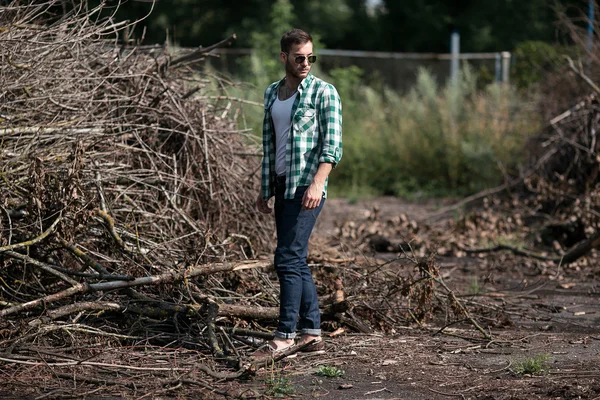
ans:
(330, 126)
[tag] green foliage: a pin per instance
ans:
(484, 26)
(329, 372)
(348, 81)
(353, 179)
(392, 25)
(536, 365)
(266, 66)
(280, 387)
(535, 59)
(432, 141)
(331, 20)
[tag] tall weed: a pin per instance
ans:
(432, 141)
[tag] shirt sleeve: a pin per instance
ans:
(267, 149)
(330, 126)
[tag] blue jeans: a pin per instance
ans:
(298, 295)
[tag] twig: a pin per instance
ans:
(199, 53)
(110, 222)
(101, 381)
(84, 306)
(576, 252)
(457, 302)
(376, 391)
(33, 241)
(248, 332)
(206, 158)
(583, 76)
(79, 288)
(514, 250)
(89, 261)
(43, 266)
(446, 394)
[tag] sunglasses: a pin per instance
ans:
(300, 59)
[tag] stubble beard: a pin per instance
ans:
(293, 70)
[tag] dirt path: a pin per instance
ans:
(552, 324)
(548, 320)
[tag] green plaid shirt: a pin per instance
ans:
(315, 135)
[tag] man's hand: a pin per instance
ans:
(263, 205)
(312, 196)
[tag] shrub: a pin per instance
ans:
(433, 140)
(535, 60)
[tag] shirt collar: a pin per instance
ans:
(303, 84)
(306, 81)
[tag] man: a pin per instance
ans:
(302, 143)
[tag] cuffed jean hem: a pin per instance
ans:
(311, 332)
(282, 335)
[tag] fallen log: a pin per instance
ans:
(581, 249)
(162, 309)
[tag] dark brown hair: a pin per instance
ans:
(295, 36)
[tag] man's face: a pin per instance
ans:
(298, 70)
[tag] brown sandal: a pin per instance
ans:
(317, 345)
(268, 352)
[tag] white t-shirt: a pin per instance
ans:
(282, 121)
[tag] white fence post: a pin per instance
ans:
(455, 51)
(505, 66)
(498, 67)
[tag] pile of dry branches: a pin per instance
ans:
(566, 185)
(121, 169)
(563, 183)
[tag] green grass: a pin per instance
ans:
(280, 387)
(536, 365)
(329, 372)
(474, 287)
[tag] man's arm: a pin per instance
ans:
(314, 193)
(330, 126)
(330, 134)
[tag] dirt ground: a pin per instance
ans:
(557, 321)
(551, 320)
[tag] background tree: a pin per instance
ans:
(391, 25)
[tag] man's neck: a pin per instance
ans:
(292, 82)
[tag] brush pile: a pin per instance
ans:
(121, 168)
(567, 183)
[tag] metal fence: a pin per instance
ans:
(397, 70)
